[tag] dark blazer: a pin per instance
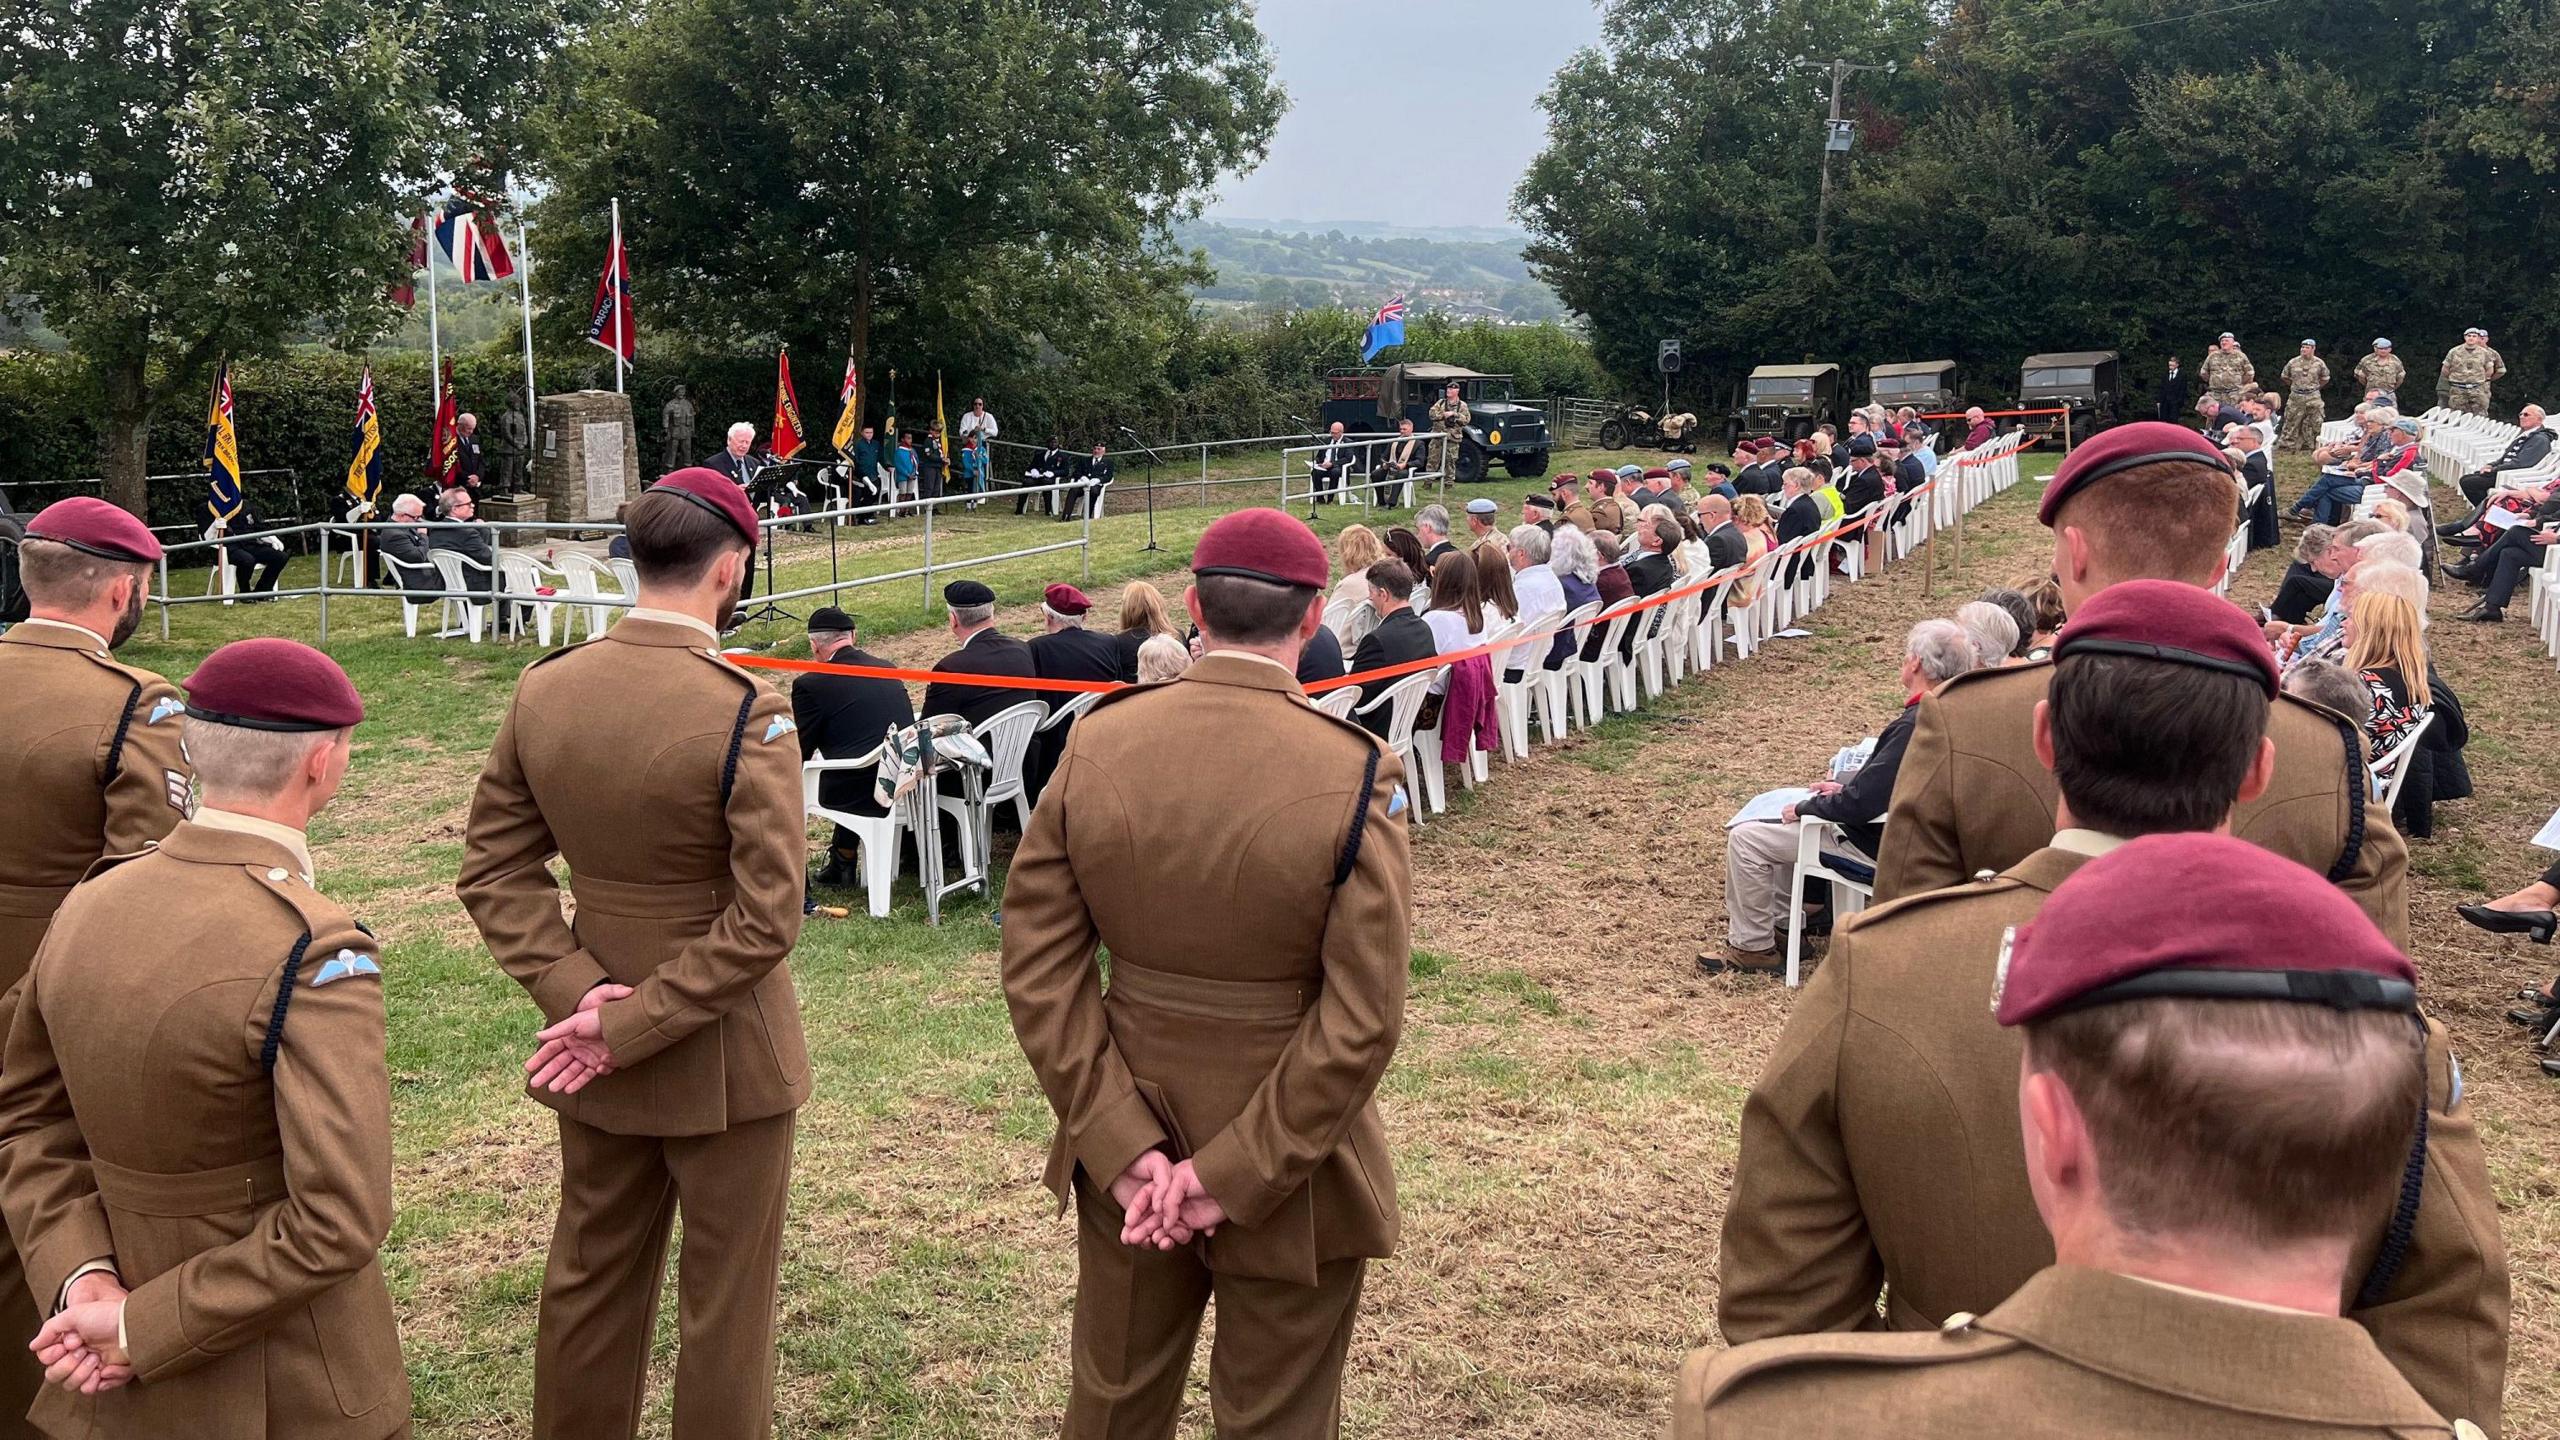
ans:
(1649, 574)
(1127, 643)
(1909, 475)
(1803, 516)
(844, 716)
(985, 653)
(2529, 448)
(1399, 638)
(469, 464)
(2302, 590)
(466, 537)
(1614, 587)
(1861, 489)
(1859, 806)
(1097, 471)
(1322, 657)
(1431, 557)
(1725, 546)
(2171, 401)
(1074, 653)
(403, 553)
(756, 463)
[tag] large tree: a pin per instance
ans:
(969, 184)
(186, 179)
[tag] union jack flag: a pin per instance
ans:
(468, 234)
(1392, 310)
(1386, 330)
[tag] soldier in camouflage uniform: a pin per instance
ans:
(2226, 371)
(2305, 375)
(1449, 416)
(2469, 369)
(2380, 371)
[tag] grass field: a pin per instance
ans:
(1562, 1108)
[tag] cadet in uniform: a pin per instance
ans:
(669, 781)
(2179, 998)
(2381, 370)
(195, 1119)
(1223, 1087)
(2305, 376)
(2470, 368)
(2226, 371)
(89, 765)
(2144, 500)
(1449, 416)
(1880, 1148)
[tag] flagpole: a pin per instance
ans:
(621, 319)
(524, 273)
(435, 342)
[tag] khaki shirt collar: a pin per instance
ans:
(61, 634)
(2092, 843)
(295, 843)
(674, 617)
(2162, 1339)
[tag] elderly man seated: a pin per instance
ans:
(1760, 856)
(462, 532)
(401, 551)
(2531, 447)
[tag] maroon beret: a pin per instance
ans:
(2198, 916)
(715, 492)
(1263, 544)
(2167, 620)
(87, 523)
(1657, 473)
(272, 684)
(2144, 442)
(1563, 480)
(1065, 599)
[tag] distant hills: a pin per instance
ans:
(1473, 271)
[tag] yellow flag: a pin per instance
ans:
(940, 423)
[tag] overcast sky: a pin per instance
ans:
(1381, 91)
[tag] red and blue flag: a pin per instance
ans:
(1386, 330)
(468, 234)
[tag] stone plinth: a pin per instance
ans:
(586, 455)
(504, 511)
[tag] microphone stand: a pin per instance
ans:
(1150, 453)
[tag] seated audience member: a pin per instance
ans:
(1692, 559)
(1725, 543)
(982, 650)
(1403, 544)
(400, 551)
(1162, 657)
(2341, 556)
(2205, 1222)
(1143, 614)
(1991, 630)
(462, 533)
(1977, 427)
(1867, 479)
(1392, 464)
(2255, 466)
(1064, 650)
(2332, 687)
(845, 717)
(1759, 864)
(2386, 650)
(1431, 530)
(1615, 590)
(1354, 550)
(1492, 561)
(1576, 564)
(2022, 615)
(1321, 658)
(2533, 912)
(256, 558)
(1603, 500)
(2312, 575)
(1539, 508)
(1759, 536)
(1457, 617)
(2373, 573)
(1536, 590)
(2530, 448)
(1401, 637)
(2045, 594)
(2502, 564)
(1328, 467)
(1483, 521)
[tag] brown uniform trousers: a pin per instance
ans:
(195, 1090)
(1972, 797)
(89, 766)
(1257, 913)
(2074, 1352)
(1880, 1151)
(669, 781)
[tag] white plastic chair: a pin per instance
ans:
(1591, 676)
(1338, 701)
(875, 835)
(462, 614)
(2390, 769)
(1555, 710)
(220, 579)
(590, 577)
(346, 552)
(1849, 893)
(1402, 703)
(523, 578)
(627, 573)
(1007, 736)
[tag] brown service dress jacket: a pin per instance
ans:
(1972, 797)
(1257, 992)
(1880, 1152)
(89, 766)
(669, 781)
(195, 1090)
(2075, 1352)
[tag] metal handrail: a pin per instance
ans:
(1434, 443)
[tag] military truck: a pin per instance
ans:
(1786, 401)
(2081, 381)
(1925, 385)
(1369, 401)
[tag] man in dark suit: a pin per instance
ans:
(844, 717)
(1726, 546)
(2170, 403)
(1400, 637)
(1908, 473)
(2531, 447)
(463, 534)
(1096, 473)
(470, 466)
(400, 552)
(982, 651)
(256, 558)
(1321, 658)
(1331, 464)
(739, 459)
(1064, 651)
(1865, 483)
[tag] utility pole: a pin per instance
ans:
(1836, 132)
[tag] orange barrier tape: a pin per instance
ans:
(1365, 677)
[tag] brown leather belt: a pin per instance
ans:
(32, 902)
(652, 902)
(1212, 999)
(245, 1186)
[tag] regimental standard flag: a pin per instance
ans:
(444, 447)
(1386, 330)
(849, 420)
(364, 469)
(222, 498)
(610, 324)
(468, 234)
(941, 422)
(786, 438)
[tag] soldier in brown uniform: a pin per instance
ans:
(1217, 1131)
(2221, 1077)
(668, 780)
(2143, 501)
(1880, 1148)
(195, 1119)
(89, 766)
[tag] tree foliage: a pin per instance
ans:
(2055, 174)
